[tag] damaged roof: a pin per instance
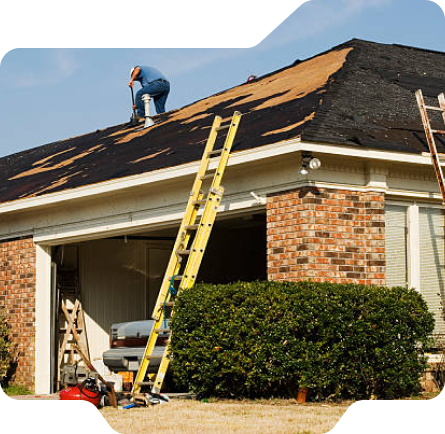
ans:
(359, 94)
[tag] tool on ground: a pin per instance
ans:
(190, 244)
(111, 392)
(86, 391)
(134, 118)
(146, 399)
(429, 132)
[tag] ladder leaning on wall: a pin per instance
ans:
(188, 250)
(430, 132)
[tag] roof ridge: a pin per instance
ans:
(366, 41)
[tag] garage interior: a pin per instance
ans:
(118, 278)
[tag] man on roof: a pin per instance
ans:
(154, 83)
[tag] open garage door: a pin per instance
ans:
(120, 277)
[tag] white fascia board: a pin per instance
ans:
(237, 158)
(369, 154)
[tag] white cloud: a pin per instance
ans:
(65, 62)
(60, 65)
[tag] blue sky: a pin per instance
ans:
(52, 94)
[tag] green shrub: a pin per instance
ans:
(6, 347)
(262, 339)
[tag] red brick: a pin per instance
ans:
(17, 298)
(326, 234)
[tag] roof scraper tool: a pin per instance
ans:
(133, 119)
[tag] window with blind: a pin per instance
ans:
(432, 261)
(396, 245)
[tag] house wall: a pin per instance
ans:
(118, 283)
(326, 234)
(297, 206)
(17, 297)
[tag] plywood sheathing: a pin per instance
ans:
(292, 83)
(46, 167)
(44, 160)
(289, 84)
(292, 126)
(150, 156)
(55, 185)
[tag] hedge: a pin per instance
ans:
(6, 348)
(263, 339)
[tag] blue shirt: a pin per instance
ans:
(149, 74)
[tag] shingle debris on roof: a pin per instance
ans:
(359, 94)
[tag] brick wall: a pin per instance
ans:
(17, 297)
(326, 234)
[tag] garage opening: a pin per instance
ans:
(118, 279)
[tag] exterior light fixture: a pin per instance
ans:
(304, 171)
(308, 162)
(314, 164)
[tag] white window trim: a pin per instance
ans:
(413, 237)
(413, 246)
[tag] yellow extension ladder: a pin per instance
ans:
(429, 132)
(190, 244)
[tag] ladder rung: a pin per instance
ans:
(208, 176)
(169, 303)
(192, 227)
(162, 330)
(199, 202)
(153, 357)
(224, 127)
(177, 278)
(145, 383)
(430, 107)
(183, 252)
(215, 152)
(438, 131)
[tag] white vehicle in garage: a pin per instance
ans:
(127, 346)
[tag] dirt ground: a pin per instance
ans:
(265, 416)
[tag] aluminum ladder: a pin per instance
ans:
(189, 248)
(429, 132)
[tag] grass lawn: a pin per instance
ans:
(223, 416)
(14, 390)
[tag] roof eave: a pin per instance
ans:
(176, 173)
